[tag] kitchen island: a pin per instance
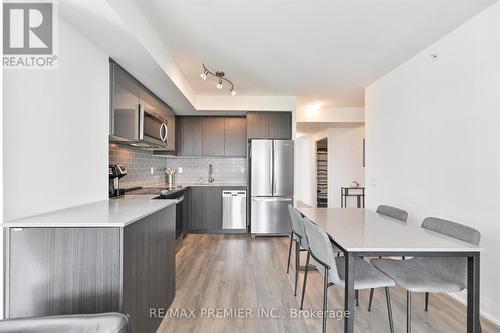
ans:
(111, 255)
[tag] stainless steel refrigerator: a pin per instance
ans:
(271, 186)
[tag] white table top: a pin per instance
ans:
(106, 213)
(363, 230)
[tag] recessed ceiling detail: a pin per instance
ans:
(220, 79)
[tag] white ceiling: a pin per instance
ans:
(315, 50)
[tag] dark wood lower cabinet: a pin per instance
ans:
(56, 271)
(205, 203)
(149, 269)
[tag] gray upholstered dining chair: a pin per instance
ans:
(395, 213)
(431, 274)
(297, 235)
(84, 323)
(333, 269)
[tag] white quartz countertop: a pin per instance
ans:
(106, 213)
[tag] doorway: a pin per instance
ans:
(322, 173)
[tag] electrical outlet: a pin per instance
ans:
(373, 182)
(180, 169)
(242, 169)
(152, 170)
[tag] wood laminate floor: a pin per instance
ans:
(243, 274)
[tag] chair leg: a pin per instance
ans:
(408, 311)
(356, 294)
(297, 263)
(305, 280)
(389, 309)
(426, 302)
(325, 300)
(289, 253)
(371, 300)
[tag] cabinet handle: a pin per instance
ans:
(141, 122)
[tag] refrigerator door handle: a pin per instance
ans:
(273, 166)
(272, 199)
(271, 169)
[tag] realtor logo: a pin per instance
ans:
(28, 35)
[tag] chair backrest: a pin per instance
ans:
(298, 225)
(321, 248)
(393, 212)
(452, 229)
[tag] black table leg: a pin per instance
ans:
(349, 293)
(473, 315)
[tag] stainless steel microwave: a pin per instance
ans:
(153, 129)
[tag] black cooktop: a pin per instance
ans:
(162, 192)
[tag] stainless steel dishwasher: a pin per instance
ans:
(234, 209)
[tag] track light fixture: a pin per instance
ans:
(220, 82)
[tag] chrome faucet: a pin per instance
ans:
(210, 173)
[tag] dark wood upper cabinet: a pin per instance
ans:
(213, 136)
(279, 125)
(257, 125)
(235, 137)
(269, 125)
(191, 136)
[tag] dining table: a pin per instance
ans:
(360, 232)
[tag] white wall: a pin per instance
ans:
(345, 152)
(345, 163)
(329, 114)
(1, 176)
(305, 167)
(56, 130)
(433, 138)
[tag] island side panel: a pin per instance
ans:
(56, 271)
(149, 268)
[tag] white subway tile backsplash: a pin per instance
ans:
(139, 162)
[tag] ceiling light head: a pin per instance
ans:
(220, 79)
(314, 107)
(219, 84)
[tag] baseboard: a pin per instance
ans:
(488, 310)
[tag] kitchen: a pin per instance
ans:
(198, 158)
(190, 172)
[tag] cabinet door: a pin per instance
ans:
(279, 125)
(257, 125)
(191, 135)
(205, 205)
(213, 136)
(124, 113)
(197, 203)
(235, 137)
(58, 271)
(213, 209)
(149, 268)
